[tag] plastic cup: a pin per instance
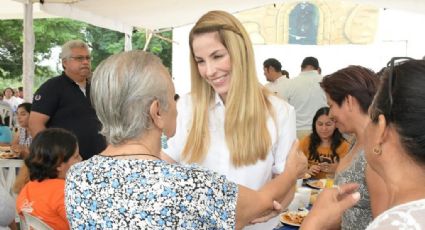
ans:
(305, 194)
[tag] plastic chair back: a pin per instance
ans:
(32, 222)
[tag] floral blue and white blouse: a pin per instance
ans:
(109, 193)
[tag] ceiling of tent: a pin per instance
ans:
(124, 15)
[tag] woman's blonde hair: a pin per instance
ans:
(247, 107)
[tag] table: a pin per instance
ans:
(8, 171)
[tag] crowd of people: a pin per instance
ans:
(117, 150)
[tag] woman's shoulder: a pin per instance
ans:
(395, 218)
(278, 102)
(199, 173)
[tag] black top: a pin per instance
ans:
(62, 100)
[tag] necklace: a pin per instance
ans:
(133, 154)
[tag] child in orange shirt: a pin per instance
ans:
(52, 152)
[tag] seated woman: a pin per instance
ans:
(324, 146)
(22, 139)
(394, 148)
(52, 153)
(20, 144)
(129, 185)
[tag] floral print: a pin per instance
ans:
(108, 193)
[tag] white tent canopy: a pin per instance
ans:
(124, 15)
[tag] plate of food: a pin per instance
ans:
(317, 184)
(293, 218)
(7, 155)
(4, 148)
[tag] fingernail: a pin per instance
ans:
(356, 196)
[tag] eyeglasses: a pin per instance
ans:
(81, 58)
(392, 78)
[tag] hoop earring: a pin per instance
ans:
(377, 150)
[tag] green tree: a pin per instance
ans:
(50, 33)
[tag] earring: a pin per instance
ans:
(164, 139)
(377, 150)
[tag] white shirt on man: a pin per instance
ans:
(277, 86)
(305, 94)
(218, 157)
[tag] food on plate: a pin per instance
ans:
(293, 218)
(7, 155)
(316, 184)
(306, 176)
(4, 148)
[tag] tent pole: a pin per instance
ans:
(148, 39)
(127, 42)
(28, 52)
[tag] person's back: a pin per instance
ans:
(306, 95)
(147, 194)
(44, 200)
(52, 152)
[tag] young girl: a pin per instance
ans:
(52, 153)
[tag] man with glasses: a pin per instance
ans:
(64, 101)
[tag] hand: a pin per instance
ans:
(277, 208)
(297, 161)
(314, 169)
(330, 205)
(328, 168)
(16, 148)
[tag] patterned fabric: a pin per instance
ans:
(404, 216)
(24, 137)
(359, 216)
(108, 193)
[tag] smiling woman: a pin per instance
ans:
(349, 93)
(230, 123)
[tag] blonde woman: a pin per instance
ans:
(230, 123)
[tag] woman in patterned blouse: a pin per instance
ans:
(130, 185)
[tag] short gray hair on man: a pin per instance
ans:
(123, 88)
(69, 45)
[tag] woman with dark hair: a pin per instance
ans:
(349, 93)
(325, 146)
(52, 152)
(394, 149)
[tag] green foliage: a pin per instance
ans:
(51, 33)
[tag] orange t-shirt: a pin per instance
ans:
(341, 151)
(44, 200)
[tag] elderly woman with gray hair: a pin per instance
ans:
(131, 185)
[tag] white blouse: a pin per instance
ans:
(218, 157)
(405, 216)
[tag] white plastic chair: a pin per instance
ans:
(30, 222)
(6, 110)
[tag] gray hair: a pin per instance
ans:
(68, 46)
(123, 88)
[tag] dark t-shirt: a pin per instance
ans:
(62, 100)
